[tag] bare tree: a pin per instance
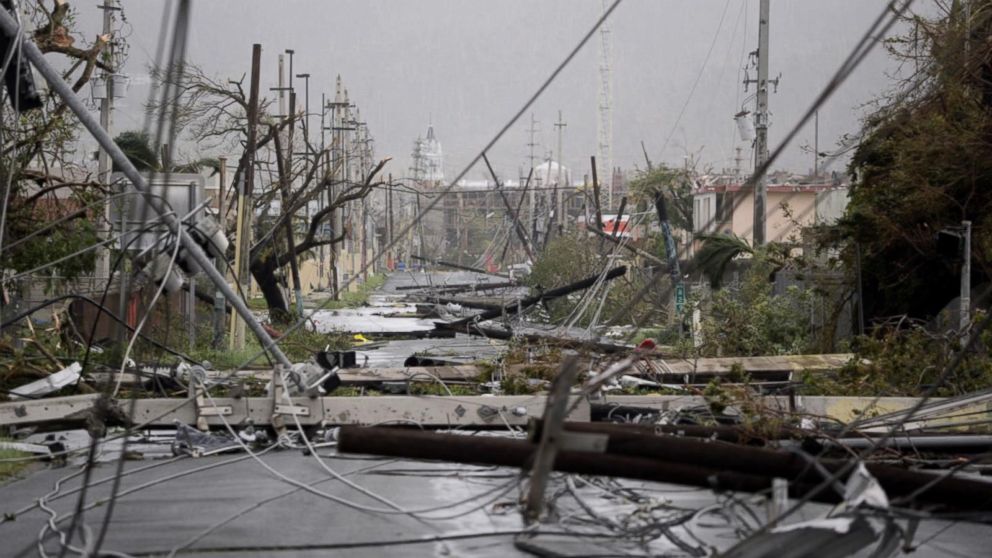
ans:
(214, 113)
(35, 150)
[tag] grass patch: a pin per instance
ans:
(352, 299)
(257, 303)
(9, 469)
(299, 346)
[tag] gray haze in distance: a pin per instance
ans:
(467, 67)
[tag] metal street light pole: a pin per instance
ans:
(306, 102)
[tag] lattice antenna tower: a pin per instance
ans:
(532, 143)
(604, 158)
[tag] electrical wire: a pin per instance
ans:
(337, 499)
(699, 75)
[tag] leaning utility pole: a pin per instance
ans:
(242, 256)
(532, 217)
(761, 126)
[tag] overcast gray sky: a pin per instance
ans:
(468, 65)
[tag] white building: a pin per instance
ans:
(433, 157)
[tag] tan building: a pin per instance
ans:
(729, 208)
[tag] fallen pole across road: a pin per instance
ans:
(671, 459)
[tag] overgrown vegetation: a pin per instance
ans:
(571, 258)
(747, 318)
(923, 165)
(38, 154)
(900, 360)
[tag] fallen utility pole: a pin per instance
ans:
(524, 303)
(712, 465)
(459, 266)
(952, 491)
(568, 342)
(517, 225)
(11, 28)
(555, 409)
(456, 287)
(505, 452)
(467, 303)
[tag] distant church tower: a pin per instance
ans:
(433, 157)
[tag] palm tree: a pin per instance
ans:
(716, 253)
(138, 149)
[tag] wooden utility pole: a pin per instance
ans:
(294, 266)
(514, 215)
(389, 219)
(241, 255)
(595, 194)
(220, 303)
(561, 188)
